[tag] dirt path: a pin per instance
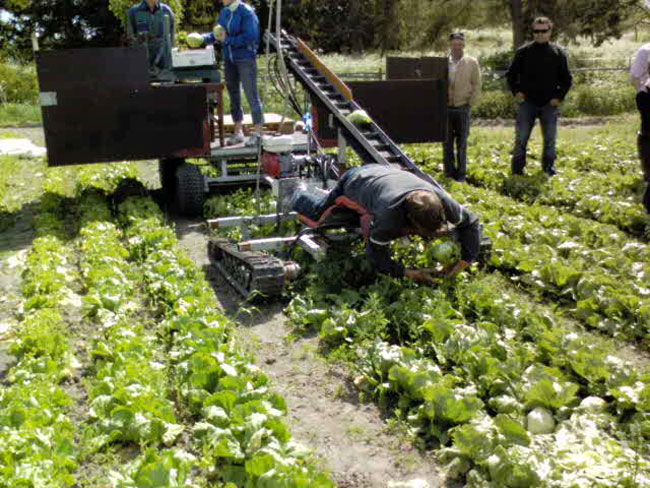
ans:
(16, 236)
(352, 439)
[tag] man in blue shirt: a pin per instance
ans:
(398, 203)
(152, 22)
(238, 30)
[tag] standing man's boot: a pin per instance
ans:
(517, 166)
(548, 165)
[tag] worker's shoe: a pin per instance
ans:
(254, 140)
(235, 139)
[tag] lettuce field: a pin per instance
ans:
(120, 368)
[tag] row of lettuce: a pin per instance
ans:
(508, 392)
(594, 271)
(600, 178)
(121, 346)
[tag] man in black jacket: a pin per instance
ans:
(398, 203)
(539, 77)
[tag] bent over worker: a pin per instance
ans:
(399, 204)
(152, 22)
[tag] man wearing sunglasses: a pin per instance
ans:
(539, 77)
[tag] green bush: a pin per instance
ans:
(19, 114)
(582, 100)
(497, 61)
(601, 101)
(18, 83)
(496, 104)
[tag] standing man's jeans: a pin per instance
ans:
(458, 121)
(643, 143)
(243, 72)
(547, 115)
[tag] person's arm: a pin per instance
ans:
(209, 38)
(475, 81)
(250, 32)
(639, 68)
(513, 75)
(130, 26)
(467, 232)
(565, 78)
(172, 27)
(382, 257)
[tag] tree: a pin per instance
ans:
(58, 24)
(517, 16)
(121, 7)
(597, 20)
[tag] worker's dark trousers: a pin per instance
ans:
(643, 142)
(458, 121)
(313, 205)
(547, 115)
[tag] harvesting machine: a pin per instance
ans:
(112, 110)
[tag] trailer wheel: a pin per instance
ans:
(190, 190)
(167, 171)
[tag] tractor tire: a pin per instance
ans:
(167, 172)
(190, 190)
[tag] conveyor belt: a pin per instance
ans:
(371, 143)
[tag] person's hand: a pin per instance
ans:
(556, 102)
(219, 32)
(520, 97)
(420, 276)
(194, 40)
(453, 269)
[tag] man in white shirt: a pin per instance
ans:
(640, 78)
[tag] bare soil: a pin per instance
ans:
(352, 439)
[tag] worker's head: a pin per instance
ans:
(542, 27)
(457, 44)
(153, 3)
(227, 3)
(425, 213)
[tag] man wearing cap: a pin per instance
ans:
(464, 90)
(539, 78)
(152, 22)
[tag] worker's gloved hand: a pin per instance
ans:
(194, 40)
(452, 269)
(219, 32)
(420, 276)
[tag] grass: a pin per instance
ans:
(19, 114)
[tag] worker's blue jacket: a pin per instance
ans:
(243, 33)
(150, 27)
(381, 191)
